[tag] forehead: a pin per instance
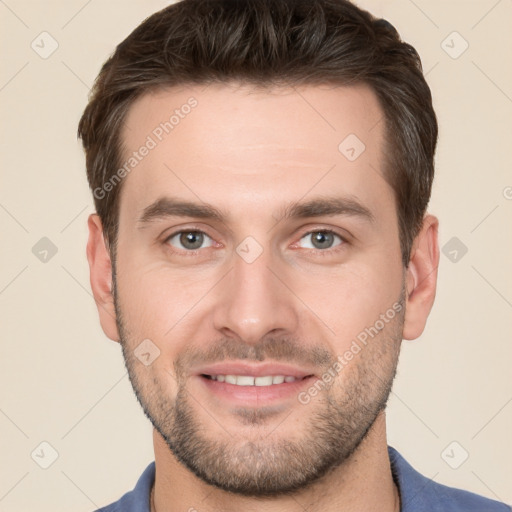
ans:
(237, 145)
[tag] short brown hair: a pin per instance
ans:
(266, 43)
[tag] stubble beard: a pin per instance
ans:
(271, 462)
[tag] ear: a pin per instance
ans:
(100, 268)
(421, 278)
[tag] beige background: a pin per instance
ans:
(63, 382)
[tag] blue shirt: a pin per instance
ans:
(417, 493)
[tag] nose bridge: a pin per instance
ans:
(254, 301)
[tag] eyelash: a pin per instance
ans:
(330, 251)
(322, 252)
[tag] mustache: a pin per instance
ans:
(275, 349)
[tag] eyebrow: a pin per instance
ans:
(320, 206)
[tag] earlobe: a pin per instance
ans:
(100, 268)
(421, 278)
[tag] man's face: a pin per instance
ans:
(265, 290)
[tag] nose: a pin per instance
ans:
(256, 301)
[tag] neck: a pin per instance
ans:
(363, 482)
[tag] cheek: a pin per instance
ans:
(352, 297)
(156, 301)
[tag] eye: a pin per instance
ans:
(322, 239)
(190, 240)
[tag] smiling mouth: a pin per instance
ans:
(249, 380)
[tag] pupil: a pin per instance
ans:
(323, 239)
(193, 238)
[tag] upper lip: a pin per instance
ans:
(254, 370)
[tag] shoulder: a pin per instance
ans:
(421, 494)
(136, 500)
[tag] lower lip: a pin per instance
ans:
(256, 395)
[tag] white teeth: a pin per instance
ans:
(264, 381)
(248, 380)
(244, 380)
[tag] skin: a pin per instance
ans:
(251, 153)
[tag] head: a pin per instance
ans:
(291, 144)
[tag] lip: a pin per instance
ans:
(254, 370)
(253, 396)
